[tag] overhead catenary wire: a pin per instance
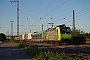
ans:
(79, 11)
(62, 4)
(83, 21)
(70, 10)
(41, 10)
(83, 18)
(82, 10)
(57, 7)
(68, 16)
(46, 7)
(54, 9)
(75, 13)
(28, 14)
(38, 13)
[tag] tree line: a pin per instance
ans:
(3, 37)
(78, 32)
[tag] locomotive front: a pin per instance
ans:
(64, 33)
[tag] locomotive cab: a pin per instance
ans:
(63, 33)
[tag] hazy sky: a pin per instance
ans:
(32, 10)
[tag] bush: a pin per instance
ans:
(54, 56)
(78, 40)
(2, 37)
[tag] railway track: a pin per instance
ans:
(82, 50)
(78, 53)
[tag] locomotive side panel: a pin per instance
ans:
(50, 34)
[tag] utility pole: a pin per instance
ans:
(73, 26)
(42, 32)
(74, 33)
(8, 32)
(17, 15)
(11, 28)
(42, 27)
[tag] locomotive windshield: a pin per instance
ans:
(65, 30)
(68, 30)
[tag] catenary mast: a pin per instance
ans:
(17, 15)
(73, 26)
(11, 28)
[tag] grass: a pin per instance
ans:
(33, 51)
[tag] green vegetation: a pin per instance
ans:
(15, 42)
(87, 35)
(33, 51)
(78, 32)
(80, 37)
(2, 37)
(54, 56)
(38, 54)
(78, 40)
